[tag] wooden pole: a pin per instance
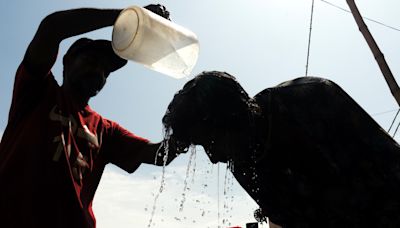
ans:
(379, 57)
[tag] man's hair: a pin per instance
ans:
(100, 49)
(212, 99)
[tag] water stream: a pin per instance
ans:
(192, 158)
(165, 146)
(226, 199)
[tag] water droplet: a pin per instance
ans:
(177, 219)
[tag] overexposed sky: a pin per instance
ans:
(260, 42)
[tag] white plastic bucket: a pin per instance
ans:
(147, 38)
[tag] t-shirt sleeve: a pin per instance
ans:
(28, 90)
(124, 148)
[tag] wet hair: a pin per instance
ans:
(213, 99)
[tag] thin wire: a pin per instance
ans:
(309, 37)
(384, 112)
(366, 18)
(377, 22)
(395, 117)
(397, 128)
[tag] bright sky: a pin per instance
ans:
(261, 42)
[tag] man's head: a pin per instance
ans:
(87, 65)
(88, 62)
(211, 110)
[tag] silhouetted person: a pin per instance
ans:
(304, 150)
(55, 147)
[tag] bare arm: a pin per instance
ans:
(42, 51)
(129, 159)
(129, 151)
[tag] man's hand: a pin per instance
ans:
(158, 9)
(171, 146)
(177, 146)
(154, 153)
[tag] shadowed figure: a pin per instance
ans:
(304, 150)
(56, 147)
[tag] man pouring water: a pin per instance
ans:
(55, 147)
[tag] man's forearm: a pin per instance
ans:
(154, 153)
(42, 51)
(68, 23)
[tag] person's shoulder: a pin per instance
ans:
(27, 81)
(299, 88)
(307, 80)
(96, 117)
(111, 126)
(298, 82)
(307, 86)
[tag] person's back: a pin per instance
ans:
(328, 163)
(304, 150)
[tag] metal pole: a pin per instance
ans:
(379, 57)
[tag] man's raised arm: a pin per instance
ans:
(42, 51)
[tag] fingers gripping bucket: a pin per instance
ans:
(159, 44)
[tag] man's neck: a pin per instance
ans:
(75, 97)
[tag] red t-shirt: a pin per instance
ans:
(53, 154)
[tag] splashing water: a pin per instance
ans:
(192, 158)
(228, 201)
(227, 187)
(254, 176)
(194, 165)
(230, 166)
(165, 145)
(219, 225)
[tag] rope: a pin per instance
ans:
(397, 128)
(309, 37)
(395, 117)
(384, 112)
(398, 125)
(366, 18)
